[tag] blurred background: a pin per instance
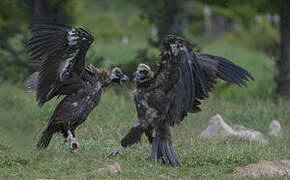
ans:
(254, 34)
(128, 32)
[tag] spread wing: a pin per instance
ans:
(59, 52)
(195, 75)
(212, 68)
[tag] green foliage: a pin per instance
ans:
(247, 9)
(112, 21)
(162, 14)
(262, 36)
(14, 16)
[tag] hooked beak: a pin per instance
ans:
(138, 75)
(119, 78)
(114, 77)
(123, 79)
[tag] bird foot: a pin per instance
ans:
(74, 145)
(116, 151)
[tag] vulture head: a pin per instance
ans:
(115, 75)
(173, 43)
(143, 74)
(118, 76)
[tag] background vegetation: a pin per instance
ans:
(126, 33)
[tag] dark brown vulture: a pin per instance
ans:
(59, 52)
(164, 98)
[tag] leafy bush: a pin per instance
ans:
(261, 36)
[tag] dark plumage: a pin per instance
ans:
(59, 53)
(163, 99)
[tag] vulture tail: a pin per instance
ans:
(162, 148)
(45, 138)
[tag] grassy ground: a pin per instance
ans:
(21, 122)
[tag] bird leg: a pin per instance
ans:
(131, 138)
(116, 151)
(73, 144)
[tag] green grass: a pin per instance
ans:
(21, 120)
(254, 107)
(21, 123)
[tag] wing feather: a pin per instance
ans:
(198, 73)
(58, 50)
(215, 67)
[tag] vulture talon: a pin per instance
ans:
(116, 151)
(74, 145)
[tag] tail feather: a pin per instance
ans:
(162, 152)
(163, 149)
(173, 154)
(170, 155)
(44, 140)
(154, 150)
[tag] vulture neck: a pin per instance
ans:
(104, 76)
(145, 84)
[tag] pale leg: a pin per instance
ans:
(73, 144)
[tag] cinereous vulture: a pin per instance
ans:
(59, 52)
(164, 98)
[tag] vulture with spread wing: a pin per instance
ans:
(59, 52)
(164, 98)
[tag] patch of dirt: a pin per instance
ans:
(265, 168)
(110, 169)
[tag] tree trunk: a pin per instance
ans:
(36, 10)
(176, 17)
(170, 20)
(283, 89)
(45, 11)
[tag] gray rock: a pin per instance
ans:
(274, 128)
(217, 128)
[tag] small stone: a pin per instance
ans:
(264, 168)
(274, 128)
(217, 128)
(110, 169)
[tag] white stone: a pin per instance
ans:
(217, 128)
(274, 128)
